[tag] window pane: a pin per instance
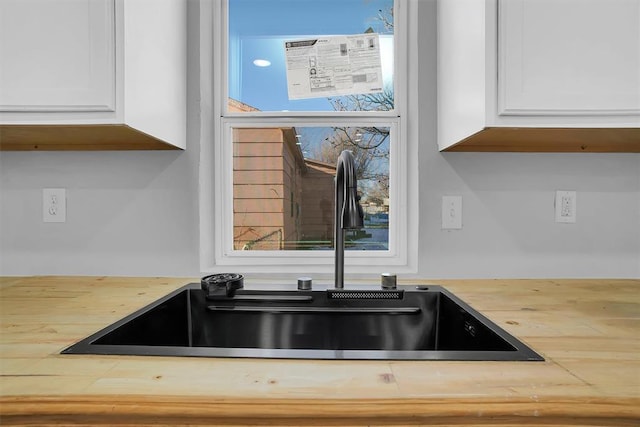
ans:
(259, 28)
(283, 186)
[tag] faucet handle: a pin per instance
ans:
(388, 281)
(304, 283)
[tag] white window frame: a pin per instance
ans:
(216, 156)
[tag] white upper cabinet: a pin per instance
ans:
(92, 74)
(57, 55)
(539, 75)
(569, 57)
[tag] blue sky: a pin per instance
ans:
(257, 29)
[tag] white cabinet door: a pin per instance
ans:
(569, 57)
(57, 55)
(93, 74)
(539, 75)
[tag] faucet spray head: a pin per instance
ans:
(352, 215)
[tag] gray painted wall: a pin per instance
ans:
(136, 213)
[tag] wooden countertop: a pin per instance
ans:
(587, 330)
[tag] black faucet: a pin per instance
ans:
(348, 214)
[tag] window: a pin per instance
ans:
(296, 83)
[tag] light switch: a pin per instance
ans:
(451, 212)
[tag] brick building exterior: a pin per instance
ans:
(280, 199)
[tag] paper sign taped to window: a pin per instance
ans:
(333, 66)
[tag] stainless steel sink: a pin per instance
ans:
(416, 323)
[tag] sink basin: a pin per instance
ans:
(416, 323)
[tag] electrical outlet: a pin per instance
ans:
(566, 206)
(451, 212)
(54, 205)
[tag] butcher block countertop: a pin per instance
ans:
(587, 330)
